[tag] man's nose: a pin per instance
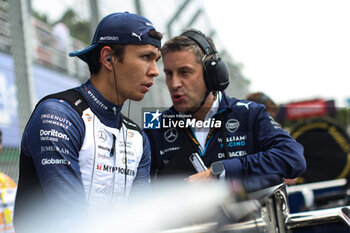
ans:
(175, 81)
(153, 70)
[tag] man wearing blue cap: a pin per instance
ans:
(78, 152)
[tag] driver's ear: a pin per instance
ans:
(106, 58)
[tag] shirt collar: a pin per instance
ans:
(214, 107)
(97, 102)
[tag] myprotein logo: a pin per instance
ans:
(97, 101)
(112, 169)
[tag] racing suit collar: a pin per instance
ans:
(224, 105)
(98, 103)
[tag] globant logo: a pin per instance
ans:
(53, 161)
(53, 133)
(155, 120)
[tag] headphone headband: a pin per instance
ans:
(201, 41)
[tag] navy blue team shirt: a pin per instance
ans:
(251, 145)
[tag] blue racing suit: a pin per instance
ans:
(78, 156)
(251, 145)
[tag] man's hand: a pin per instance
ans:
(201, 177)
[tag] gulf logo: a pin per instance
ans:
(88, 117)
(130, 134)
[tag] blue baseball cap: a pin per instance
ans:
(120, 28)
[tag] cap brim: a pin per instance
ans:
(83, 53)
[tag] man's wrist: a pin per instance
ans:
(217, 168)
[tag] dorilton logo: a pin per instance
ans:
(53, 133)
(116, 38)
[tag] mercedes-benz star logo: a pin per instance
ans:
(171, 135)
(102, 136)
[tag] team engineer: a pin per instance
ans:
(237, 139)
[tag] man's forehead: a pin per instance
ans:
(178, 52)
(143, 47)
(181, 65)
(181, 58)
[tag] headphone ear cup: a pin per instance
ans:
(215, 72)
(223, 75)
(206, 77)
(216, 75)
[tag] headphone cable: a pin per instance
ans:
(121, 127)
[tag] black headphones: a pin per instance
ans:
(109, 58)
(216, 75)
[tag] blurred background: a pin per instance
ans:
(37, 35)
